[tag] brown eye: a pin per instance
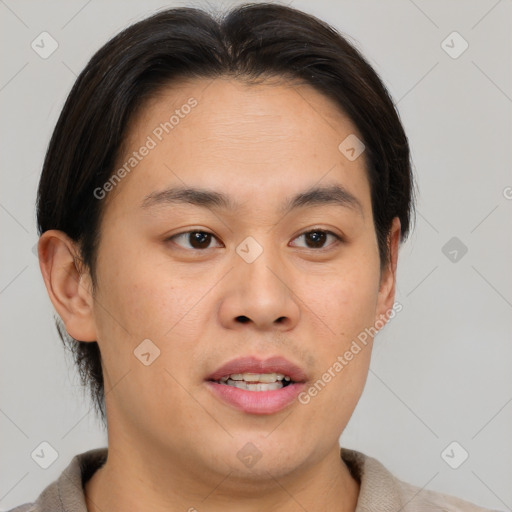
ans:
(316, 239)
(199, 239)
(195, 240)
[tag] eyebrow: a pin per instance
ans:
(315, 196)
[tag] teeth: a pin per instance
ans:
(266, 378)
(266, 386)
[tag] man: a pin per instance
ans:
(220, 210)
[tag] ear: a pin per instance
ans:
(387, 287)
(68, 283)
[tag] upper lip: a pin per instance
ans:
(252, 364)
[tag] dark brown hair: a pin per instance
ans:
(251, 42)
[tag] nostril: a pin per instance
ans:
(281, 319)
(243, 319)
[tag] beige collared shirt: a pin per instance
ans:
(380, 491)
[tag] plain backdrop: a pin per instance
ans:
(441, 370)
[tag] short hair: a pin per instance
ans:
(251, 43)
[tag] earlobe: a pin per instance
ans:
(68, 284)
(387, 288)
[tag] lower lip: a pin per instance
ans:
(257, 402)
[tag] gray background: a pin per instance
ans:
(441, 370)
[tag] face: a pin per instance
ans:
(242, 232)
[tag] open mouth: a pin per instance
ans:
(256, 381)
(257, 386)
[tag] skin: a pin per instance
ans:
(172, 444)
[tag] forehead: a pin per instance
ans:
(256, 141)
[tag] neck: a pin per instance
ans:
(131, 481)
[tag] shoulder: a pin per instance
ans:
(27, 507)
(421, 499)
(381, 490)
(66, 494)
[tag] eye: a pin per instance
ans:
(195, 240)
(317, 238)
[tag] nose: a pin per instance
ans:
(259, 294)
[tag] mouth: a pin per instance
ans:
(256, 381)
(257, 386)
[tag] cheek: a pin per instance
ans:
(138, 291)
(344, 348)
(139, 300)
(342, 355)
(343, 306)
(343, 301)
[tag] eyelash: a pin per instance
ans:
(326, 232)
